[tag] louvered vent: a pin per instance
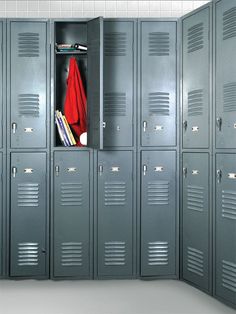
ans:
(195, 37)
(28, 105)
(229, 204)
(195, 198)
(195, 261)
(159, 44)
(71, 194)
(115, 104)
(195, 103)
(158, 253)
(158, 193)
(229, 275)
(28, 195)
(115, 44)
(71, 254)
(229, 97)
(229, 23)
(159, 104)
(28, 45)
(115, 253)
(28, 254)
(115, 193)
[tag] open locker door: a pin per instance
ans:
(95, 83)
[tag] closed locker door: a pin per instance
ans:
(1, 217)
(158, 83)
(28, 214)
(158, 214)
(196, 213)
(71, 214)
(225, 237)
(115, 213)
(28, 83)
(1, 84)
(196, 80)
(118, 83)
(225, 74)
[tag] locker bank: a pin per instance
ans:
(153, 193)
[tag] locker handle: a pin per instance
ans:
(185, 171)
(14, 171)
(219, 175)
(14, 127)
(57, 169)
(144, 126)
(219, 123)
(185, 125)
(100, 169)
(144, 169)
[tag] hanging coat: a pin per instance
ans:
(75, 102)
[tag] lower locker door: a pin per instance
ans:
(1, 217)
(115, 213)
(71, 214)
(28, 214)
(226, 227)
(196, 213)
(158, 214)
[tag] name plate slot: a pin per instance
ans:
(232, 175)
(28, 170)
(71, 169)
(28, 130)
(159, 169)
(115, 169)
(195, 129)
(195, 172)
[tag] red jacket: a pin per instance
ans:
(75, 102)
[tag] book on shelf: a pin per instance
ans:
(65, 134)
(71, 48)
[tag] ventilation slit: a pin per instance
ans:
(195, 38)
(195, 261)
(71, 194)
(195, 198)
(229, 95)
(195, 103)
(159, 44)
(115, 44)
(159, 103)
(229, 205)
(115, 193)
(28, 45)
(158, 193)
(115, 253)
(28, 105)
(71, 254)
(229, 23)
(28, 195)
(115, 104)
(229, 275)
(28, 254)
(158, 253)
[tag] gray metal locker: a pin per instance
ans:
(158, 213)
(158, 83)
(28, 83)
(119, 82)
(95, 83)
(225, 90)
(1, 86)
(196, 80)
(1, 217)
(225, 236)
(196, 219)
(115, 213)
(71, 214)
(28, 247)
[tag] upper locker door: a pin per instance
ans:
(28, 214)
(95, 83)
(118, 83)
(158, 83)
(196, 80)
(225, 74)
(158, 214)
(225, 237)
(71, 225)
(1, 217)
(28, 84)
(1, 84)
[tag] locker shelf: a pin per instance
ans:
(82, 53)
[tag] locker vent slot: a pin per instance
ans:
(71, 254)
(195, 103)
(28, 254)
(195, 198)
(158, 253)
(115, 193)
(229, 23)
(28, 195)
(115, 253)
(115, 44)
(158, 193)
(195, 261)
(229, 204)
(71, 194)
(115, 104)
(195, 38)
(28, 45)
(28, 105)
(229, 275)
(229, 97)
(159, 103)
(159, 44)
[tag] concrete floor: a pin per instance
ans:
(106, 297)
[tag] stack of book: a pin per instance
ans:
(70, 48)
(66, 136)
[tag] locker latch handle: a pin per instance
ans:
(14, 127)
(219, 123)
(57, 169)
(14, 171)
(144, 169)
(219, 175)
(185, 125)
(185, 171)
(144, 126)
(100, 169)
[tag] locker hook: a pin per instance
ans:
(219, 123)
(219, 175)
(185, 171)
(14, 171)
(144, 169)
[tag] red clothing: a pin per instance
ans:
(75, 102)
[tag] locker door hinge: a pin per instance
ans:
(219, 123)
(218, 175)
(57, 170)
(144, 169)
(14, 171)
(185, 171)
